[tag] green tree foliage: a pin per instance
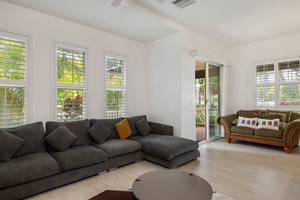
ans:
(70, 71)
(115, 94)
(12, 68)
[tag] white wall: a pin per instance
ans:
(242, 60)
(171, 97)
(44, 28)
(164, 82)
(207, 49)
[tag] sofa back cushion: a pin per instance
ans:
(61, 138)
(78, 128)
(109, 124)
(285, 116)
(10, 145)
(249, 113)
(32, 134)
(132, 123)
(99, 132)
(294, 116)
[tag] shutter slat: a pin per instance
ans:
(116, 87)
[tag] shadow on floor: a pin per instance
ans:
(200, 133)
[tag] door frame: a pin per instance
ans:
(221, 66)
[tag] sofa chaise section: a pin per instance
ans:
(161, 147)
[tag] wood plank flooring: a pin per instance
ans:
(241, 170)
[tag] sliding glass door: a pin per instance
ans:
(212, 77)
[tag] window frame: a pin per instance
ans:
(70, 86)
(116, 88)
(21, 83)
(276, 84)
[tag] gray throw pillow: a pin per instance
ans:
(99, 132)
(143, 127)
(9, 146)
(61, 138)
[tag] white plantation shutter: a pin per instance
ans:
(265, 73)
(13, 79)
(289, 83)
(288, 71)
(265, 85)
(115, 86)
(70, 82)
(278, 84)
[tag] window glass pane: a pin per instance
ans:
(12, 59)
(115, 72)
(289, 95)
(265, 73)
(289, 71)
(115, 103)
(71, 105)
(12, 106)
(71, 66)
(265, 95)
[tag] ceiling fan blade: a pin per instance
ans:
(116, 3)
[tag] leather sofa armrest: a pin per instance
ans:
(226, 122)
(291, 134)
(161, 129)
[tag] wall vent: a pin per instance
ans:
(183, 3)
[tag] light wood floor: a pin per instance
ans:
(243, 171)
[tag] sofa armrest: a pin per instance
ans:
(291, 134)
(226, 122)
(161, 129)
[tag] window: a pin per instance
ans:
(115, 86)
(13, 79)
(278, 84)
(70, 82)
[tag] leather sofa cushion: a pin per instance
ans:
(269, 133)
(27, 168)
(79, 156)
(165, 146)
(117, 147)
(242, 130)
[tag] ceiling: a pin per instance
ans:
(227, 22)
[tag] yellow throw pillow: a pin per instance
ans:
(123, 129)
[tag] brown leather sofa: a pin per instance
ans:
(287, 136)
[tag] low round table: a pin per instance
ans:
(171, 185)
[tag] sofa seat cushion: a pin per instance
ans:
(242, 130)
(165, 146)
(269, 133)
(117, 147)
(27, 168)
(79, 156)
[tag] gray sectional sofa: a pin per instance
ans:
(33, 160)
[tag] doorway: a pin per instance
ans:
(207, 100)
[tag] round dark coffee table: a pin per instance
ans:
(171, 184)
